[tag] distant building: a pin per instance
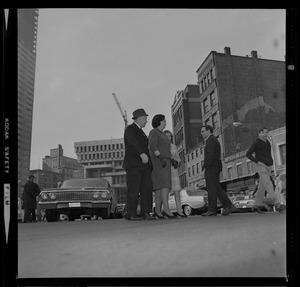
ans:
(57, 162)
(187, 122)
(47, 179)
(27, 41)
(104, 158)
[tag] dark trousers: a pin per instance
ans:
(215, 190)
(29, 215)
(139, 182)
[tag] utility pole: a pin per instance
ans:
(123, 112)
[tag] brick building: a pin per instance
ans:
(47, 179)
(187, 121)
(57, 162)
(245, 89)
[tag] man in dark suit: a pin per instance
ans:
(213, 167)
(137, 164)
(30, 192)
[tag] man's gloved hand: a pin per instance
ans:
(174, 163)
(162, 160)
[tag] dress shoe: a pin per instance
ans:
(227, 210)
(147, 216)
(180, 215)
(209, 213)
(159, 216)
(133, 218)
(257, 209)
(168, 216)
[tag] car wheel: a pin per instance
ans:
(187, 210)
(51, 215)
(71, 217)
(105, 213)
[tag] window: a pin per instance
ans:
(213, 100)
(192, 155)
(206, 107)
(189, 169)
(202, 164)
(197, 167)
(239, 169)
(229, 170)
(282, 152)
(188, 158)
(249, 167)
(193, 169)
(215, 122)
(197, 153)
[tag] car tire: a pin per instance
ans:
(105, 213)
(187, 210)
(51, 215)
(71, 217)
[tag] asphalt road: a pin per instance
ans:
(238, 245)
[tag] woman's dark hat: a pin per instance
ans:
(138, 113)
(31, 176)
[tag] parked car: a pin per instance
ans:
(243, 205)
(193, 201)
(76, 197)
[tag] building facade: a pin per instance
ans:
(187, 122)
(246, 90)
(58, 163)
(249, 89)
(104, 158)
(27, 40)
(47, 179)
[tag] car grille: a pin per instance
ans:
(78, 195)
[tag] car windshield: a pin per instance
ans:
(99, 182)
(196, 192)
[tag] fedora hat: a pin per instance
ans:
(31, 176)
(138, 113)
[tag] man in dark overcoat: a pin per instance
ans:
(30, 192)
(213, 166)
(137, 164)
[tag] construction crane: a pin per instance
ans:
(123, 112)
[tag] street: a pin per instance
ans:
(238, 245)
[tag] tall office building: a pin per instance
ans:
(27, 37)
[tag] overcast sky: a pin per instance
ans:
(142, 55)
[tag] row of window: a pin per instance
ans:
(102, 155)
(80, 149)
(207, 79)
(209, 102)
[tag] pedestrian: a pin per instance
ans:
(212, 167)
(175, 181)
(160, 153)
(138, 167)
(30, 192)
(261, 147)
(280, 189)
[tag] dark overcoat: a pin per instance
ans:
(136, 143)
(30, 192)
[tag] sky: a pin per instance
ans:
(144, 56)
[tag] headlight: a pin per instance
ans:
(44, 196)
(96, 194)
(52, 196)
(104, 195)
